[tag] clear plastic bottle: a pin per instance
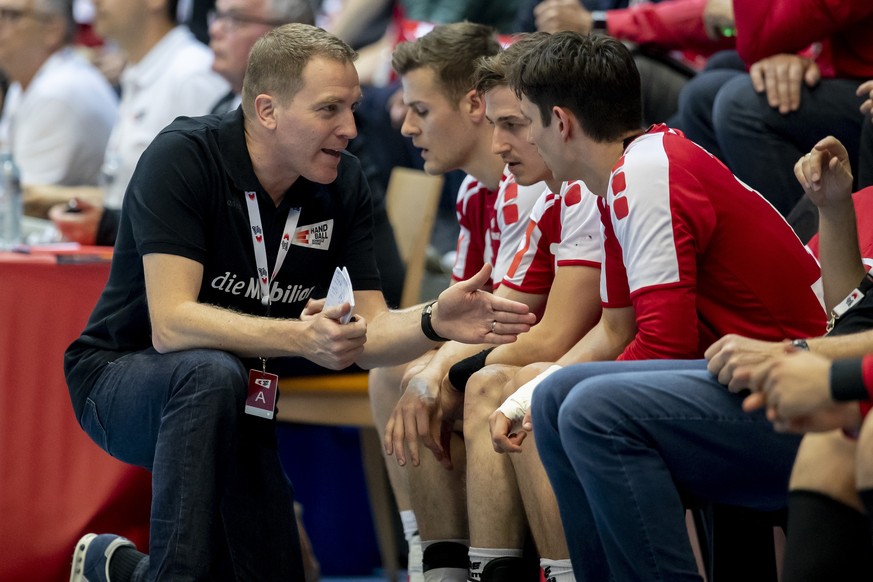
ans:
(11, 205)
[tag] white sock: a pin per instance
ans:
(414, 567)
(444, 574)
(413, 543)
(410, 525)
(557, 570)
(479, 558)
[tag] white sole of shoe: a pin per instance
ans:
(77, 569)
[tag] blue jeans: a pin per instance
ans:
(222, 507)
(621, 441)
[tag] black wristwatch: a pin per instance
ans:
(800, 344)
(426, 325)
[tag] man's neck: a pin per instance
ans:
(274, 177)
(483, 165)
(554, 185)
(603, 159)
(138, 46)
(27, 68)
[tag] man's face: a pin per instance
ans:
(442, 130)
(546, 139)
(318, 123)
(509, 140)
(22, 32)
(236, 26)
(119, 19)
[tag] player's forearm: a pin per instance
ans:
(540, 344)
(602, 343)
(394, 337)
(841, 265)
(839, 347)
(449, 354)
(197, 325)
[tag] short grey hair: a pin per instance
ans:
(277, 60)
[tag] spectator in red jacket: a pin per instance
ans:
(673, 38)
(807, 59)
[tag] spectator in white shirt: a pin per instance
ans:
(59, 109)
(168, 74)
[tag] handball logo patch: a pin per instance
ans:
(316, 236)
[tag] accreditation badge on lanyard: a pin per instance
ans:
(263, 387)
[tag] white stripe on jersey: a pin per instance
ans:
(580, 225)
(564, 228)
(511, 212)
(641, 215)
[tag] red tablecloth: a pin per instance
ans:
(55, 483)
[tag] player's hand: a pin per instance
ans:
(556, 15)
(733, 351)
(332, 344)
(312, 308)
(718, 16)
(505, 437)
(449, 410)
(795, 388)
(825, 173)
(465, 312)
(781, 77)
(411, 420)
(77, 220)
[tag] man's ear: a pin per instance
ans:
(265, 111)
(474, 106)
(565, 120)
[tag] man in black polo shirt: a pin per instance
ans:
(230, 226)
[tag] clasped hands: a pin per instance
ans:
(793, 385)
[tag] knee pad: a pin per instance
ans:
(445, 555)
(506, 570)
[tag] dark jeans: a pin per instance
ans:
(621, 441)
(222, 507)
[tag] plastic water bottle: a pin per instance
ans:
(10, 202)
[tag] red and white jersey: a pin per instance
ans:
(564, 229)
(699, 254)
(474, 209)
(492, 225)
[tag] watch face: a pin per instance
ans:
(800, 344)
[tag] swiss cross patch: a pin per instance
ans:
(619, 207)
(619, 183)
(573, 195)
(510, 214)
(511, 192)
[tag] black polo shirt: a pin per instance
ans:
(186, 198)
